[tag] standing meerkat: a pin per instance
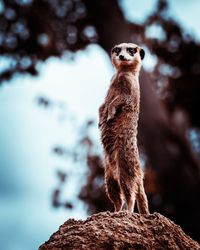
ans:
(118, 121)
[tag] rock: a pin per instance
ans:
(120, 231)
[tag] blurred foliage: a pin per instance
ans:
(33, 30)
(178, 63)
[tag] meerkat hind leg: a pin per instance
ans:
(113, 187)
(128, 191)
(142, 202)
(114, 193)
(130, 200)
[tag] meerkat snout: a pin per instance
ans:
(122, 58)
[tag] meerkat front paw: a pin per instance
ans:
(109, 118)
(111, 113)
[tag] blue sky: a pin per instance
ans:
(27, 132)
(184, 11)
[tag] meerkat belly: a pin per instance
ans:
(116, 132)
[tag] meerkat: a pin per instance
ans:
(118, 121)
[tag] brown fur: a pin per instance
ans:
(118, 119)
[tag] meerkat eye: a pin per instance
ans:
(116, 50)
(132, 51)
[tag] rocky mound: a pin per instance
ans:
(120, 231)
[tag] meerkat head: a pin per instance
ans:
(127, 55)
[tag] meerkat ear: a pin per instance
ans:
(142, 53)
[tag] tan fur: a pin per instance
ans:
(118, 119)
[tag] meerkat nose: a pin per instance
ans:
(122, 58)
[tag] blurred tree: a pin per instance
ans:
(32, 31)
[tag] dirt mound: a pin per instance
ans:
(120, 231)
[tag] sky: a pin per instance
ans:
(27, 172)
(28, 132)
(185, 12)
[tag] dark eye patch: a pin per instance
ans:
(131, 51)
(116, 50)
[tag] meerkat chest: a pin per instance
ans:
(126, 85)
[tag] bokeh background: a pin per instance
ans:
(54, 73)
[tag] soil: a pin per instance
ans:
(120, 231)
